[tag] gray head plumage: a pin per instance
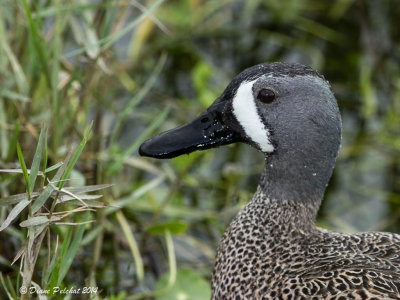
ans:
(299, 130)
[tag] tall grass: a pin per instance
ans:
(57, 64)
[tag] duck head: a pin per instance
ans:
(287, 111)
(269, 106)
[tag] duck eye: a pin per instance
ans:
(266, 96)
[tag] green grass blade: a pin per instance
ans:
(122, 202)
(40, 46)
(42, 198)
(54, 271)
(55, 70)
(13, 142)
(38, 203)
(171, 258)
(20, 77)
(14, 96)
(172, 271)
(88, 188)
(11, 287)
(66, 242)
(36, 221)
(156, 122)
(3, 283)
(44, 168)
(53, 167)
(138, 98)
(72, 250)
(49, 272)
(110, 40)
(36, 160)
(76, 156)
(3, 133)
(24, 169)
(132, 245)
(14, 213)
(91, 235)
(111, 13)
(14, 199)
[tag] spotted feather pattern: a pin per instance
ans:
(273, 250)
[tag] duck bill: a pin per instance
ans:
(206, 131)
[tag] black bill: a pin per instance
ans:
(206, 131)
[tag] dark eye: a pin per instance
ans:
(266, 96)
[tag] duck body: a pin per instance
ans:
(269, 252)
(272, 249)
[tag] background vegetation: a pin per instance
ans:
(135, 68)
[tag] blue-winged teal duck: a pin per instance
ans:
(272, 249)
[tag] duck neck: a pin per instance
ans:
(279, 217)
(292, 179)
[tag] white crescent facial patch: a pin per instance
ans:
(245, 111)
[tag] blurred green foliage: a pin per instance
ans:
(136, 68)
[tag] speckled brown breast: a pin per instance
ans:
(269, 252)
